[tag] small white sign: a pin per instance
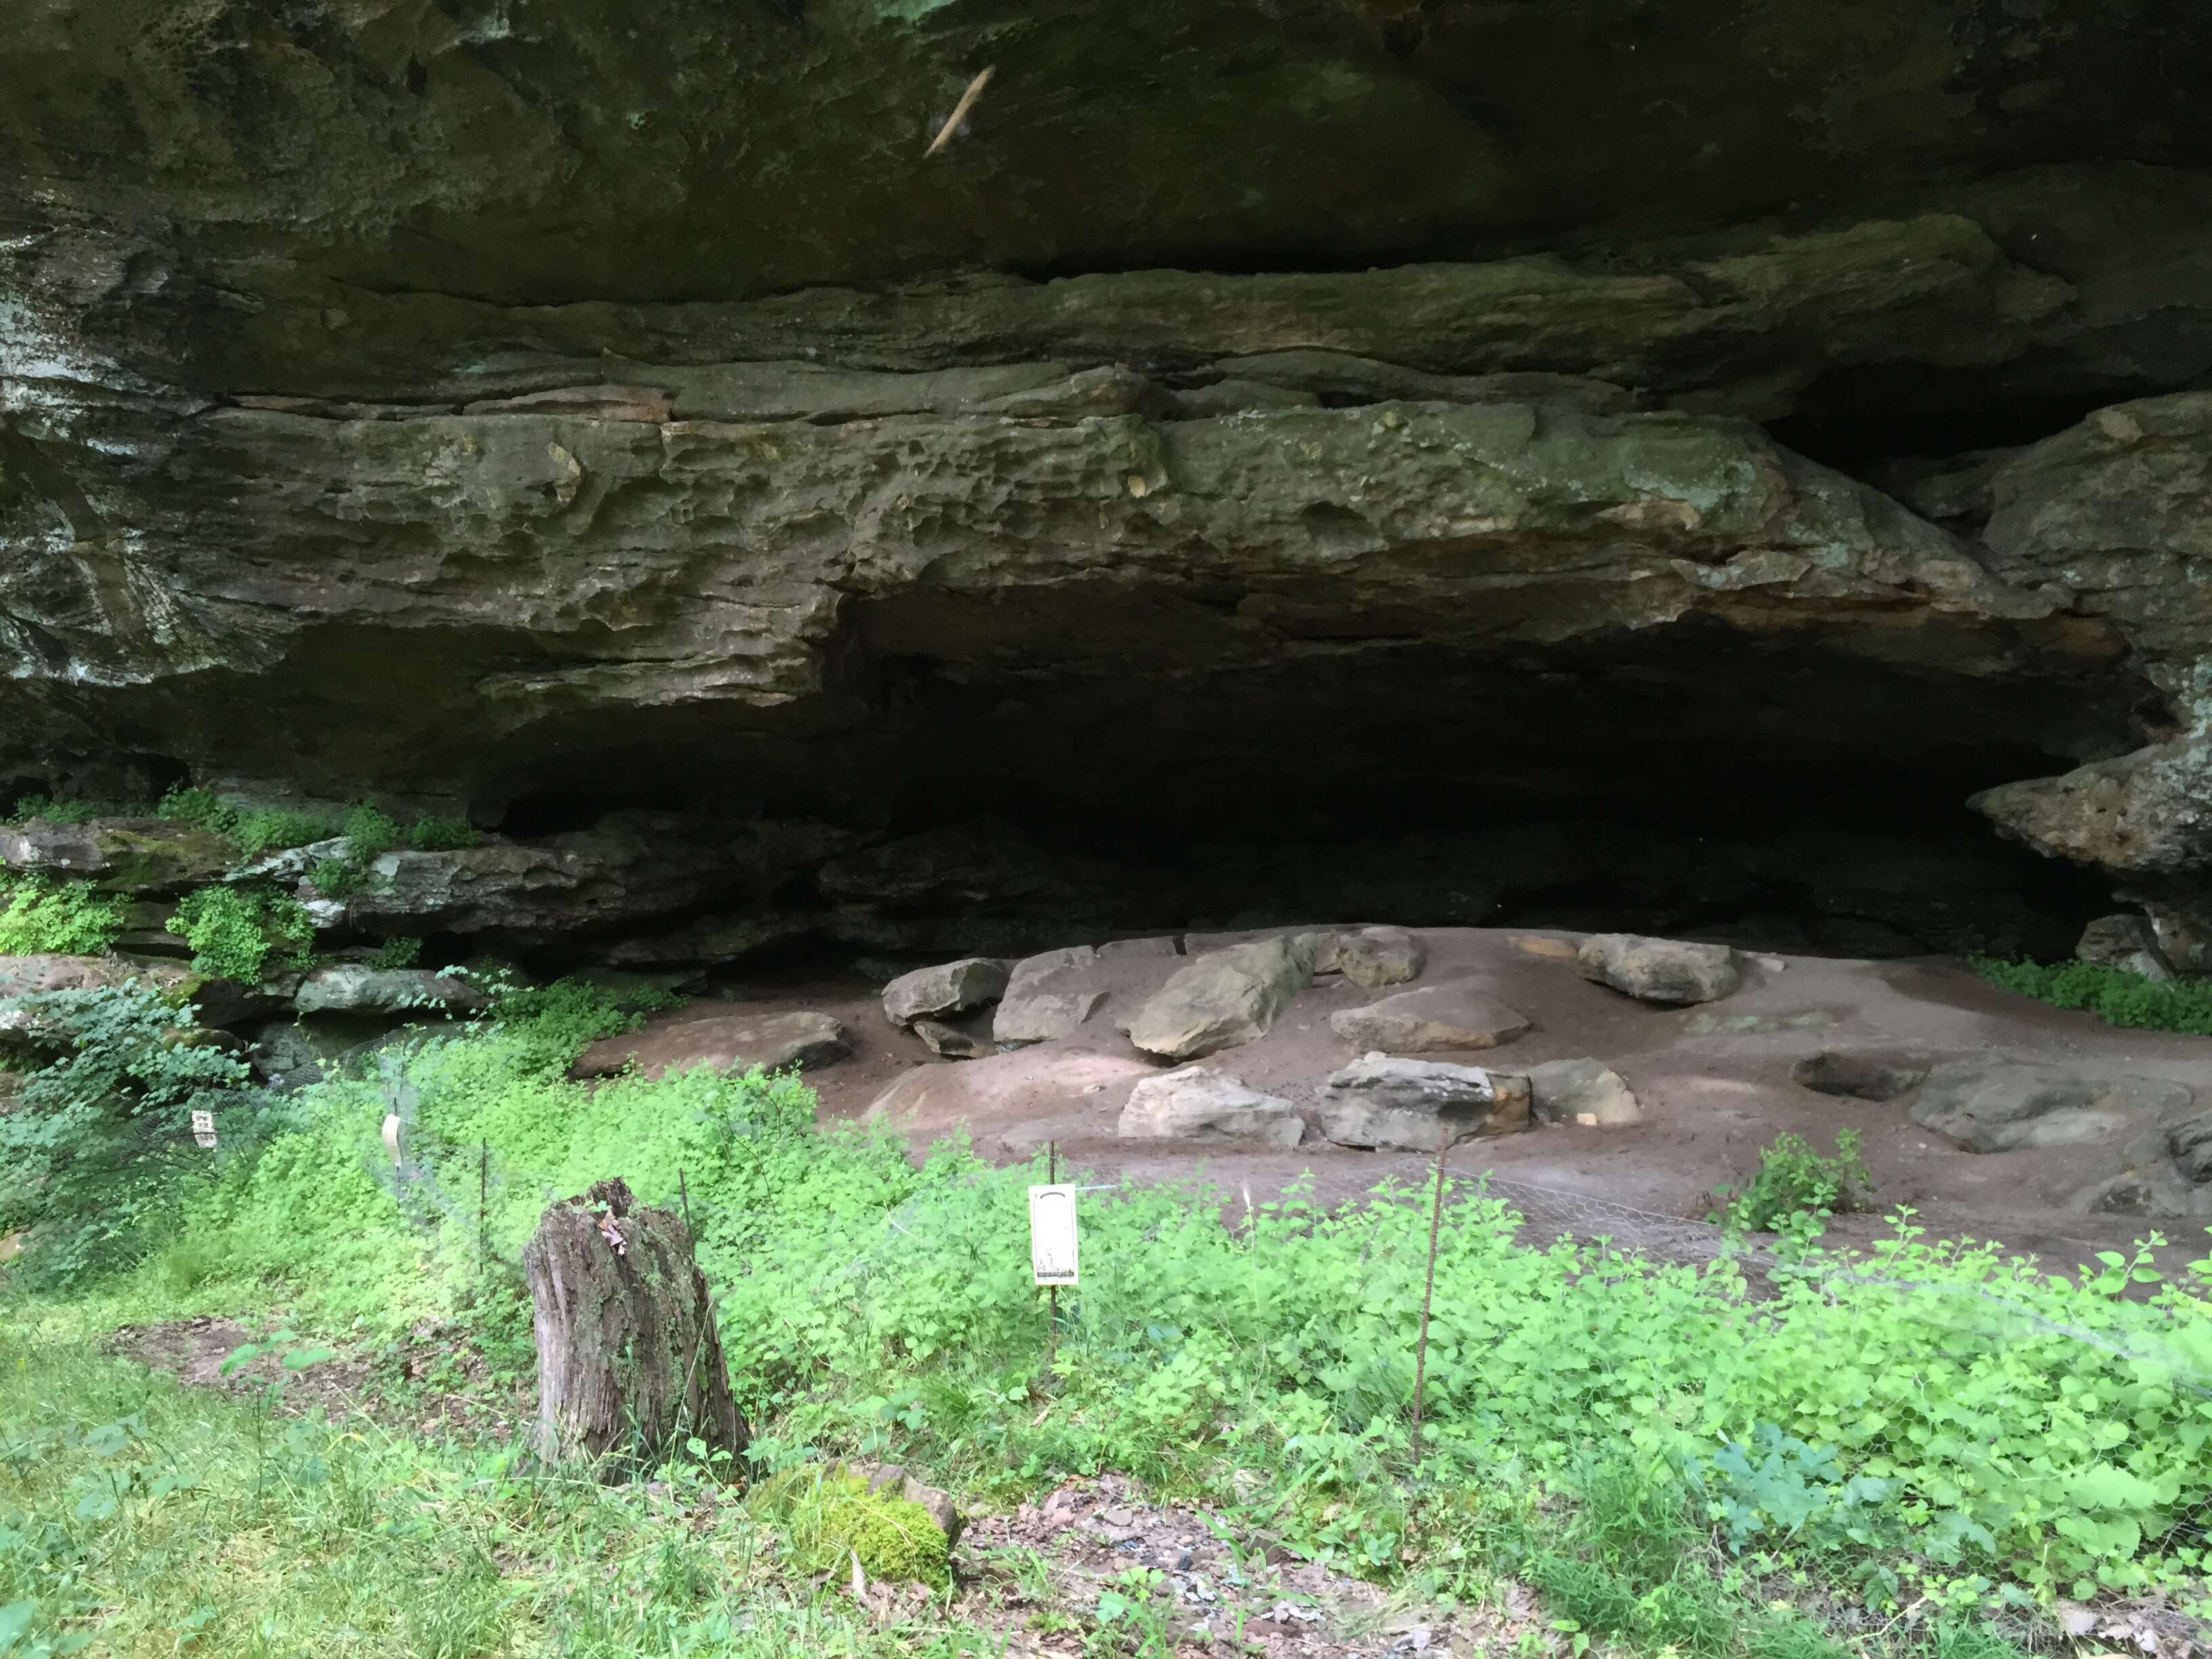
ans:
(204, 1129)
(1052, 1235)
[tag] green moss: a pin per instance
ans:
(833, 1517)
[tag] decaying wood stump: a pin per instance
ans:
(629, 1363)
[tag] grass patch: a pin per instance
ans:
(2114, 995)
(137, 1518)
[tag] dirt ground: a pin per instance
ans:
(1713, 1081)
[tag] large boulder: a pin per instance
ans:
(2000, 1104)
(1384, 1103)
(1208, 1107)
(357, 989)
(1585, 1092)
(1049, 995)
(721, 1041)
(951, 988)
(1224, 998)
(1456, 1014)
(1662, 970)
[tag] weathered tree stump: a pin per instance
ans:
(629, 1363)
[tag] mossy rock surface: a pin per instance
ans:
(895, 1539)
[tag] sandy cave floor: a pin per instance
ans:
(1714, 1083)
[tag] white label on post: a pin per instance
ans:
(204, 1129)
(1052, 1235)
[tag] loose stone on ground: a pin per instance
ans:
(1456, 1014)
(1224, 998)
(1662, 970)
(1199, 1104)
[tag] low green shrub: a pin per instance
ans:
(441, 835)
(235, 932)
(400, 953)
(199, 808)
(2114, 995)
(1794, 1180)
(87, 1155)
(370, 833)
(339, 878)
(40, 914)
(254, 831)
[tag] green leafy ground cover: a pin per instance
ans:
(2115, 996)
(39, 915)
(1931, 1426)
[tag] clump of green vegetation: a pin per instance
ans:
(41, 915)
(339, 878)
(54, 810)
(2113, 994)
(236, 931)
(1794, 1180)
(1611, 1427)
(198, 808)
(400, 953)
(434, 833)
(91, 1147)
(370, 833)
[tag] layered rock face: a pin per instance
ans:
(1283, 461)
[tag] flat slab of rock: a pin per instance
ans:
(1585, 1092)
(357, 988)
(22, 976)
(1049, 995)
(1855, 1076)
(1386, 1104)
(1224, 998)
(950, 1042)
(727, 1043)
(2000, 1105)
(1455, 1014)
(1374, 957)
(951, 987)
(118, 855)
(1664, 970)
(1199, 1104)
